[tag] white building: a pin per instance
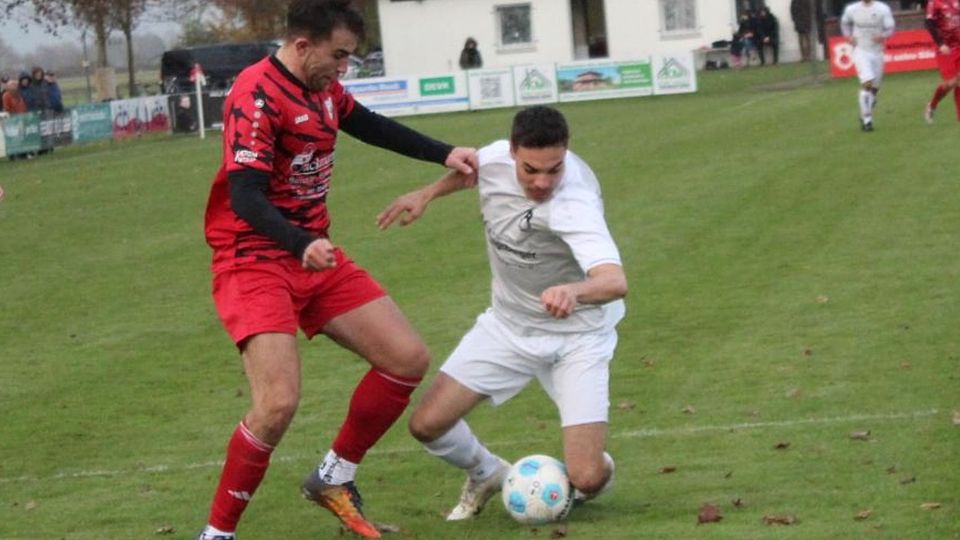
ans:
(426, 36)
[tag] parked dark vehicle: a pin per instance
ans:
(221, 64)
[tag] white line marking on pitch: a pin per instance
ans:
(642, 433)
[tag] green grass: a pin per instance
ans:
(792, 280)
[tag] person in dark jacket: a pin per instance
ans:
(37, 92)
(748, 33)
(801, 13)
(470, 55)
(768, 34)
(54, 96)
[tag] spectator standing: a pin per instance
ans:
(801, 14)
(748, 33)
(768, 31)
(54, 96)
(470, 55)
(36, 95)
(13, 101)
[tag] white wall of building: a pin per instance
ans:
(426, 36)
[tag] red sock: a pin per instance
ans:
(956, 100)
(247, 461)
(376, 404)
(938, 95)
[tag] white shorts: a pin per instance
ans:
(869, 66)
(574, 369)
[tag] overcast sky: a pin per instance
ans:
(24, 41)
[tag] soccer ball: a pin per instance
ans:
(537, 490)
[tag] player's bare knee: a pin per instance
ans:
(422, 428)
(277, 412)
(411, 361)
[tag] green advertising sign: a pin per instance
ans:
(437, 86)
(21, 133)
(636, 75)
(92, 122)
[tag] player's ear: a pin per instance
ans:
(301, 45)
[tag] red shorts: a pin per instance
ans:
(279, 296)
(949, 63)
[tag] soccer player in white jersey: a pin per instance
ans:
(557, 296)
(867, 24)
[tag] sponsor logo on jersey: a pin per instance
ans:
(301, 119)
(245, 156)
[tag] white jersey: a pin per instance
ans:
(866, 23)
(533, 246)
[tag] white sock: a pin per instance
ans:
(212, 531)
(866, 105)
(336, 470)
(461, 448)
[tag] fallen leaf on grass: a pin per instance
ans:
(910, 480)
(823, 299)
(709, 514)
(930, 505)
(166, 529)
(860, 435)
(892, 469)
(649, 362)
(782, 445)
(905, 365)
(956, 418)
(559, 532)
(794, 393)
(689, 409)
(808, 352)
(668, 469)
(626, 405)
(738, 503)
(863, 514)
(788, 519)
(30, 505)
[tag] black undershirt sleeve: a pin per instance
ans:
(248, 198)
(934, 32)
(378, 130)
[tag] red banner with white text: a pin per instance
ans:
(910, 50)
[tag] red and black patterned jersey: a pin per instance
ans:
(946, 15)
(274, 124)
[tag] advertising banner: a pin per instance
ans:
(604, 80)
(136, 116)
(535, 84)
(910, 50)
(412, 95)
(56, 129)
(91, 122)
(674, 73)
(22, 133)
(490, 88)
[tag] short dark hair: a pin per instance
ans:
(316, 19)
(539, 127)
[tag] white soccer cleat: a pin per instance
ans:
(476, 494)
(928, 114)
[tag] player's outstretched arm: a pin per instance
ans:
(604, 283)
(410, 206)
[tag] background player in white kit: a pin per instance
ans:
(867, 24)
(557, 290)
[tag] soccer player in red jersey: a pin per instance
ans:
(275, 268)
(943, 22)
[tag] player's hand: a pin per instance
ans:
(559, 301)
(408, 208)
(463, 159)
(944, 49)
(319, 255)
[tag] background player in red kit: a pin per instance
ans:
(943, 22)
(275, 269)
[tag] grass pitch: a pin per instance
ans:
(793, 286)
